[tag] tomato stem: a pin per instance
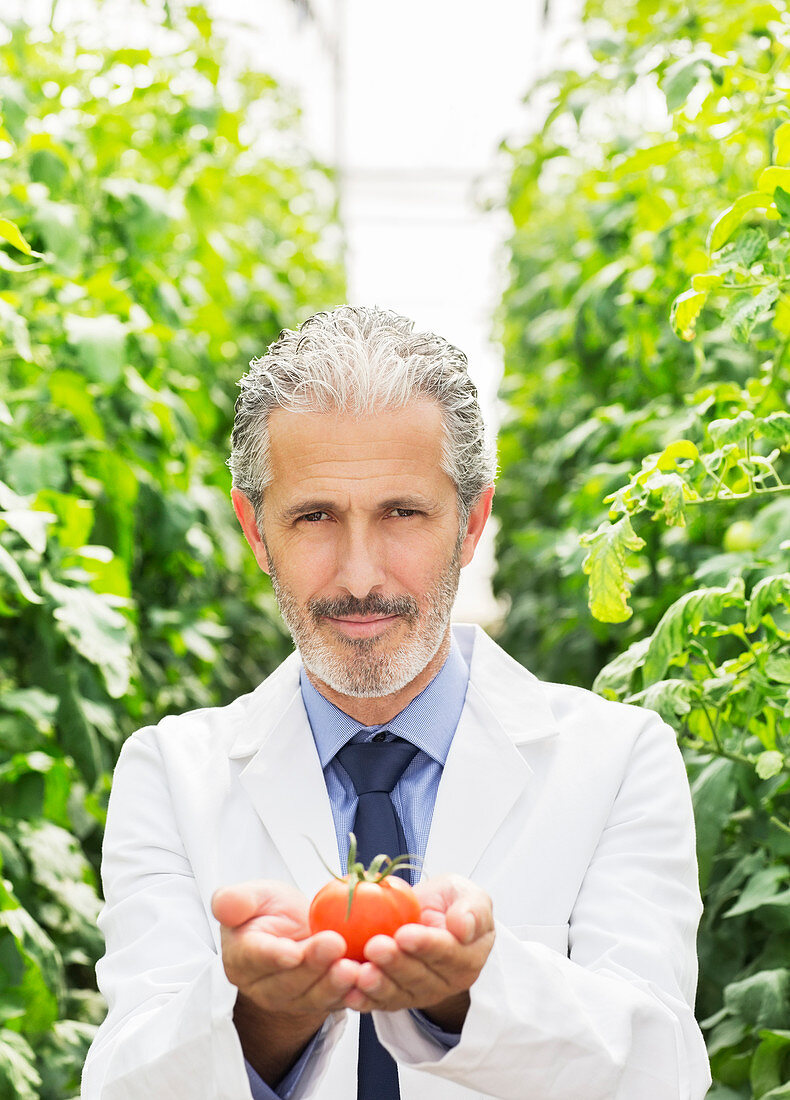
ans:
(381, 866)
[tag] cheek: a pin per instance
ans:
(305, 566)
(418, 564)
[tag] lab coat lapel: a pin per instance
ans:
(286, 786)
(486, 771)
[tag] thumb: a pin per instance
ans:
(233, 905)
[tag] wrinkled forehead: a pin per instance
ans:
(330, 449)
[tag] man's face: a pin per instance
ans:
(361, 539)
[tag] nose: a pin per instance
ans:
(360, 565)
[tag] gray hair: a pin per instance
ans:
(360, 360)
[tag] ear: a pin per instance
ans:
(245, 512)
(478, 518)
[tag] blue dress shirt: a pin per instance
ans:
(429, 722)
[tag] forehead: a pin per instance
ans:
(337, 452)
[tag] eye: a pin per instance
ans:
(404, 513)
(312, 517)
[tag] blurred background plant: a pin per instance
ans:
(646, 326)
(160, 223)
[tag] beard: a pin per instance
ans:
(369, 668)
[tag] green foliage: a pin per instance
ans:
(646, 326)
(668, 121)
(160, 225)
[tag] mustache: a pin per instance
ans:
(370, 605)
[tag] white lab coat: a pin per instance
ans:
(572, 812)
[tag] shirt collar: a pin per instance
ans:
(429, 721)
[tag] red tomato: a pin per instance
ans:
(376, 907)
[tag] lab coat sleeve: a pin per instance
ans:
(614, 1019)
(169, 1030)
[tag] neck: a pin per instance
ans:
(380, 710)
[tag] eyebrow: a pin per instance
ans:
(306, 507)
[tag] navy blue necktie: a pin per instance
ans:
(375, 767)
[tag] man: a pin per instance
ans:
(559, 895)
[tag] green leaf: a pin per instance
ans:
(19, 1077)
(96, 630)
(62, 1053)
(59, 867)
(100, 343)
(650, 157)
(71, 391)
(775, 427)
(768, 593)
(732, 429)
(30, 466)
(16, 329)
(42, 981)
(686, 308)
(683, 76)
(10, 232)
(616, 678)
(762, 1000)
(782, 144)
(713, 794)
(672, 492)
(17, 577)
(728, 221)
(777, 667)
(683, 620)
(77, 733)
(770, 1058)
(762, 888)
(749, 246)
(605, 564)
(769, 763)
(59, 225)
(782, 200)
(773, 177)
(31, 525)
(38, 705)
(671, 699)
(749, 311)
(707, 280)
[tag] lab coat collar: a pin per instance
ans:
(484, 776)
(514, 696)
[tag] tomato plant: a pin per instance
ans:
(364, 903)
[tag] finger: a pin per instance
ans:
(470, 916)
(459, 905)
(254, 956)
(373, 989)
(306, 989)
(330, 989)
(393, 975)
(419, 940)
(464, 923)
(438, 956)
(322, 949)
(233, 905)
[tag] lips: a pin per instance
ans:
(362, 626)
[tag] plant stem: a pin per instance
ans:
(740, 496)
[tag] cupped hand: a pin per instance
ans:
(269, 954)
(430, 966)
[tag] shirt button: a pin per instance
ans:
(379, 736)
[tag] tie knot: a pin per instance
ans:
(376, 766)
